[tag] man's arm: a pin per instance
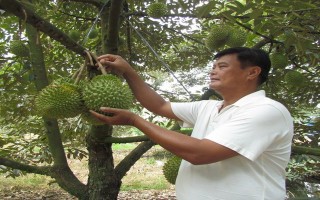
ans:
(195, 151)
(143, 93)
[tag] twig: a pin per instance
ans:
(103, 70)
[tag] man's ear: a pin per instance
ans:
(253, 72)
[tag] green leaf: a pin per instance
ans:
(206, 9)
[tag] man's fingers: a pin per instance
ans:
(96, 114)
(107, 57)
(108, 110)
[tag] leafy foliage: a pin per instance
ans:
(172, 44)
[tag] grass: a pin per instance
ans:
(146, 174)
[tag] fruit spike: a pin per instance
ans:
(61, 99)
(170, 169)
(19, 48)
(218, 36)
(107, 91)
(157, 10)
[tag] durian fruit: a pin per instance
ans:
(278, 60)
(218, 36)
(237, 37)
(93, 33)
(170, 169)
(157, 10)
(107, 91)
(60, 99)
(19, 48)
(75, 35)
(294, 78)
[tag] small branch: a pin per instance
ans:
(103, 70)
(305, 150)
(209, 16)
(126, 139)
(97, 3)
(80, 71)
(263, 42)
(24, 167)
(124, 166)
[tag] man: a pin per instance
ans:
(239, 147)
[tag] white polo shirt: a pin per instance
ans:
(258, 128)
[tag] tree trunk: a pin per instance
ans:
(103, 182)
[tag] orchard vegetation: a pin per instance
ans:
(174, 41)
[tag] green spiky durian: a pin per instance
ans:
(294, 78)
(218, 36)
(19, 48)
(157, 10)
(75, 35)
(60, 99)
(107, 91)
(93, 34)
(170, 169)
(237, 38)
(278, 60)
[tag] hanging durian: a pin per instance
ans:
(170, 169)
(157, 10)
(60, 99)
(107, 91)
(237, 37)
(19, 48)
(218, 36)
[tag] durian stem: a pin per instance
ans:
(103, 70)
(80, 71)
(89, 55)
(75, 74)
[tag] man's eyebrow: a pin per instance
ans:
(219, 63)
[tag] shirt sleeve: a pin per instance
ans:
(188, 112)
(251, 131)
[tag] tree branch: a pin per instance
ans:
(126, 139)
(24, 167)
(26, 14)
(114, 22)
(305, 150)
(63, 175)
(96, 3)
(125, 165)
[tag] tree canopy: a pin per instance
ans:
(59, 34)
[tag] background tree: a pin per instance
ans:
(59, 34)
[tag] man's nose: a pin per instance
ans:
(212, 71)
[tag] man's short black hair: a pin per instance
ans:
(250, 57)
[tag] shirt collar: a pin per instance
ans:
(250, 97)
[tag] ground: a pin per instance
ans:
(147, 171)
(18, 194)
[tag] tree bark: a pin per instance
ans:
(102, 181)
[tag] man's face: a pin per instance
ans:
(227, 75)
